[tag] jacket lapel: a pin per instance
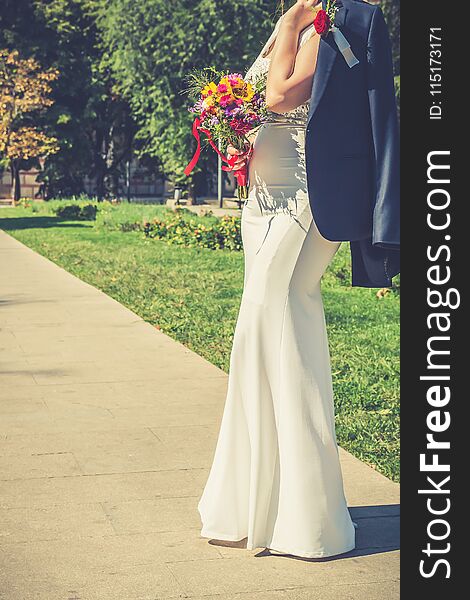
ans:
(325, 61)
(327, 53)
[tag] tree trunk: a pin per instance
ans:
(100, 184)
(15, 176)
(192, 198)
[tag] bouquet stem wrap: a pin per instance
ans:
(241, 175)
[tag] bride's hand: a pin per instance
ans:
(300, 15)
(241, 160)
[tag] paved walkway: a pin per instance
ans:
(107, 431)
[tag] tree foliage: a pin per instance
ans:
(25, 90)
(123, 64)
(391, 10)
(153, 45)
(89, 117)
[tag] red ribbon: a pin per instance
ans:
(241, 175)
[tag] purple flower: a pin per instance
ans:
(198, 107)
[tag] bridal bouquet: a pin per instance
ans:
(227, 108)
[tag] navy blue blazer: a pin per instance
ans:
(352, 146)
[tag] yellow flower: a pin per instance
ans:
(244, 92)
(210, 89)
(208, 102)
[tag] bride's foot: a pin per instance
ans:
(278, 552)
(228, 543)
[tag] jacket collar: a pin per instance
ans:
(340, 17)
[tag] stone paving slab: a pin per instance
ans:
(108, 428)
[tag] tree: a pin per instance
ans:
(94, 114)
(152, 45)
(391, 10)
(89, 116)
(24, 92)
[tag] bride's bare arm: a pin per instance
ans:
(290, 75)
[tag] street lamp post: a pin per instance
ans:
(128, 180)
(220, 183)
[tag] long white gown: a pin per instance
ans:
(276, 478)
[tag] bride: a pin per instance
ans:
(276, 478)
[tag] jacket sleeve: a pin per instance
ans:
(384, 120)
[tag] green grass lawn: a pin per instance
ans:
(193, 295)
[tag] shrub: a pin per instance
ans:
(88, 212)
(24, 202)
(222, 233)
(126, 227)
(71, 212)
(75, 212)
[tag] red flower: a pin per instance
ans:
(225, 100)
(322, 22)
(240, 127)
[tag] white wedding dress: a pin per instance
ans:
(276, 478)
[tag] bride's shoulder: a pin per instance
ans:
(278, 22)
(271, 39)
(275, 29)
